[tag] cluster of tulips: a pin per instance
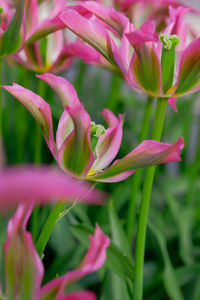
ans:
(148, 44)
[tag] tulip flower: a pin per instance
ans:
(42, 185)
(24, 269)
(46, 45)
(85, 149)
(154, 68)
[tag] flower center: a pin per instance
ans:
(169, 40)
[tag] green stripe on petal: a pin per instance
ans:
(148, 153)
(146, 69)
(75, 155)
(189, 70)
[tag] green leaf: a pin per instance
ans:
(10, 41)
(118, 285)
(183, 218)
(118, 234)
(116, 260)
(169, 276)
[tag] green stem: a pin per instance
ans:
(38, 132)
(145, 201)
(138, 175)
(48, 227)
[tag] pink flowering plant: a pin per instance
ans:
(66, 231)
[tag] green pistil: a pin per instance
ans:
(97, 130)
(169, 40)
(1, 10)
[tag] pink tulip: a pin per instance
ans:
(145, 70)
(82, 148)
(24, 269)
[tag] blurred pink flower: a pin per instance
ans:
(41, 185)
(24, 269)
(84, 149)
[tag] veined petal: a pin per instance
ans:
(189, 69)
(62, 87)
(39, 109)
(51, 24)
(89, 30)
(75, 155)
(145, 68)
(23, 267)
(148, 153)
(42, 185)
(93, 260)
(109, 143)
(65, 127)
(108, 14)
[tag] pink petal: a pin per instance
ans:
(145, 34)
(76, 156)
(172, 102)
(85, 52)
(21, 259)
(62, 87)
(42, 185)
(148, 153)
(109, 143)
(107, 14)
(51, 24)
(80, 295)
(93, 260)
(89, 30)
(65, 127)
(189, 70)
(38, 108)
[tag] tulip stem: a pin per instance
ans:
(145, 201)
(138, 175)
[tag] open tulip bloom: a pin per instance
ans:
(24, 269)
(82, 148)
(157, 67)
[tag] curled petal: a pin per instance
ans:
(39, 109)
(75, 155)
(51, 24)
(108, 14)
(109, 143)
(93, 260)
(148, 153)
(23, 267)
(189, 69)
(42, 185)
(62, 87)
(89, 30)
